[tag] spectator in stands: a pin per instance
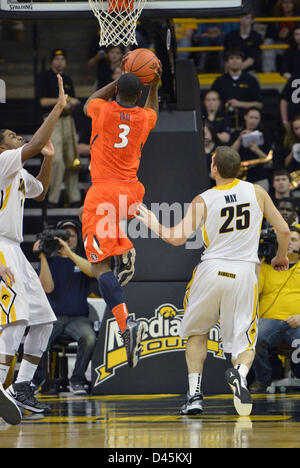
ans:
(210, 144)
(258, 148)
(65, 279)
(216, 117)
(208, 35)
(292, 145)
(291, 59)
(281, 182)
(184, 36)
(238, 89)
(279, 313)
(106, 60)
(290, 65)
(288, 211)
(64, 134)
(248, 41)
(278, 33)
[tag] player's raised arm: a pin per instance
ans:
(42, 135)
(104, 93)
(180, 233)
(152, 98)
(270, 212)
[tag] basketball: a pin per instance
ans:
(143, 63)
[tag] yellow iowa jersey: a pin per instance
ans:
(232, 227)
(279, 292)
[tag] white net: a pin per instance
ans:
(117, 20)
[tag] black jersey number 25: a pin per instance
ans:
(237, 217)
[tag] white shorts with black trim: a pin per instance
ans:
(25, 299)
(226, 291)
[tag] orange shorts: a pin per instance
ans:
(106, 204)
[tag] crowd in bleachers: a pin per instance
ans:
(233, 108)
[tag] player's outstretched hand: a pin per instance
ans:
(148, 218)
(280, 263)
(62, 97)
(7, 275)
(48, 149)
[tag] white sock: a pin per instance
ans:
(3, 372)
(243, 371)
(26, 371)
(194, 383)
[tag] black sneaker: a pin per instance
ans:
(123, 266)
(9, 410)
(77, 389)
(241, 396)
(23, 395)
(132, 338)
(193, 404)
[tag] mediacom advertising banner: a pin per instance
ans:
(162, 367)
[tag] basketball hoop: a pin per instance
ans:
(117, 20)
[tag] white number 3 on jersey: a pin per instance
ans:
(123, 136)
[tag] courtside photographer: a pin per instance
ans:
(65, 275)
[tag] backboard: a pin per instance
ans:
(153, 8)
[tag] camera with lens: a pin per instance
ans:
(267, 245)
(49, 245)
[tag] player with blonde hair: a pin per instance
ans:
(224, 283)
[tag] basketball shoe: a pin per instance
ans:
(23, 394)
(123, 266)
(193, 404)
(9, 410)
(241, 396)
(132, 338)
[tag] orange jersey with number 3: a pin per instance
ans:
(118, 136)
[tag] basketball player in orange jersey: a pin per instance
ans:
(119, 131)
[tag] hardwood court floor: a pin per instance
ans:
(153, 422)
